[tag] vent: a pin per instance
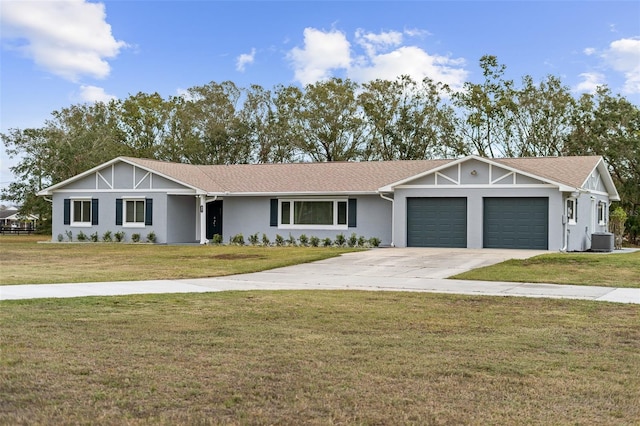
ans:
(602, 241)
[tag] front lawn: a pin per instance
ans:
(594, 269)
(339, 357)
(26, 261)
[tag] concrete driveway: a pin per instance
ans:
(387, 269)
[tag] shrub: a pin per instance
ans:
(314, 241)
(304, 240)
(135, 238)
(326, 242)
(237, 240)
(60, 238)
(353, 240)
(291, 241)
(82, 236)
(253, 239)
(340, 240)
(151, 237)
(94, 237)
(120, 236)
(106, 237)
(69, 235)
(374, 241)
(279, 240)
(216, 239)
(265, 240)
(362, 241)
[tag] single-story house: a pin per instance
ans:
(10, 218)
(549, 203)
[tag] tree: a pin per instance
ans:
(406, 120)
(483, 107)
(330, 122)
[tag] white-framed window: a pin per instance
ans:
(313, 214)
(572, 210)
(134, 212)
(602, 213)
(81, 212)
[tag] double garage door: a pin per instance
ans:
(519, 223)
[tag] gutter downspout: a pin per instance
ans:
(393, 221)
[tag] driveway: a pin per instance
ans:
(387, 269)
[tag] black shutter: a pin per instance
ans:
(67, 211)
(274, 212)
(576, 207)
(94, 211)
(352, 212)
(148, 212)
(118, 211)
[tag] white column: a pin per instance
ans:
(203, 219)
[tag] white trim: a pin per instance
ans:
(120, 191)
(477, 186)
(292, 202)
(571, 219)
(136, 185)
(83, 224)
(135, 223)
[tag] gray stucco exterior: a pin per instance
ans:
(176, 212)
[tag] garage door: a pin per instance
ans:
(437, 222)
(518, 223)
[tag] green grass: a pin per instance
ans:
(25, 261)
(592, 269)
(318, 357)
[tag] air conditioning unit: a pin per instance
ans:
(602, 241)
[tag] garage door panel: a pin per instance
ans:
(520, 223)
(437, 222)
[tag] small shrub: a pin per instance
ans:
(216, 239)
(374, 241)
(265, 240)
(82, 236)
(94, 237)
(253, 239)
(135, 238)
(151, 237)
(69, 235)
(120, 236)
(279, 240)
(237, 240)
(353, 240)
(314, 241)
(362, 241)
(304, 240)
(106, 237)
(340, 240)
(60, 238)
(291, 241)
(327, 242)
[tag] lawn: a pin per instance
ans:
(26, 261)
(318, 357)
(594, 269)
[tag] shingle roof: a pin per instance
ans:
(571, 171)
(347, 177)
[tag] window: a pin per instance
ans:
(602, 213)
(317, 214)
(134, 212)
(572, 213)
(80, 211)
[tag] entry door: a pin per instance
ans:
(214, 218)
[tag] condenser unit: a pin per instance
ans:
(602, 241)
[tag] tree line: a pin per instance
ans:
(334, 120)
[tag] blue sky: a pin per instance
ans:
(58, 53)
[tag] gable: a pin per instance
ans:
(474, 172)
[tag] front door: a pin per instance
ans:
(214, 218)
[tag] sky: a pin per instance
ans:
(57, 53)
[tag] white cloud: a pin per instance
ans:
(383, 55)
(589, 51)
(624, 56)
(590, 82)
(69, 38)
(322, 53)
(94, 94)
(245, 59)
